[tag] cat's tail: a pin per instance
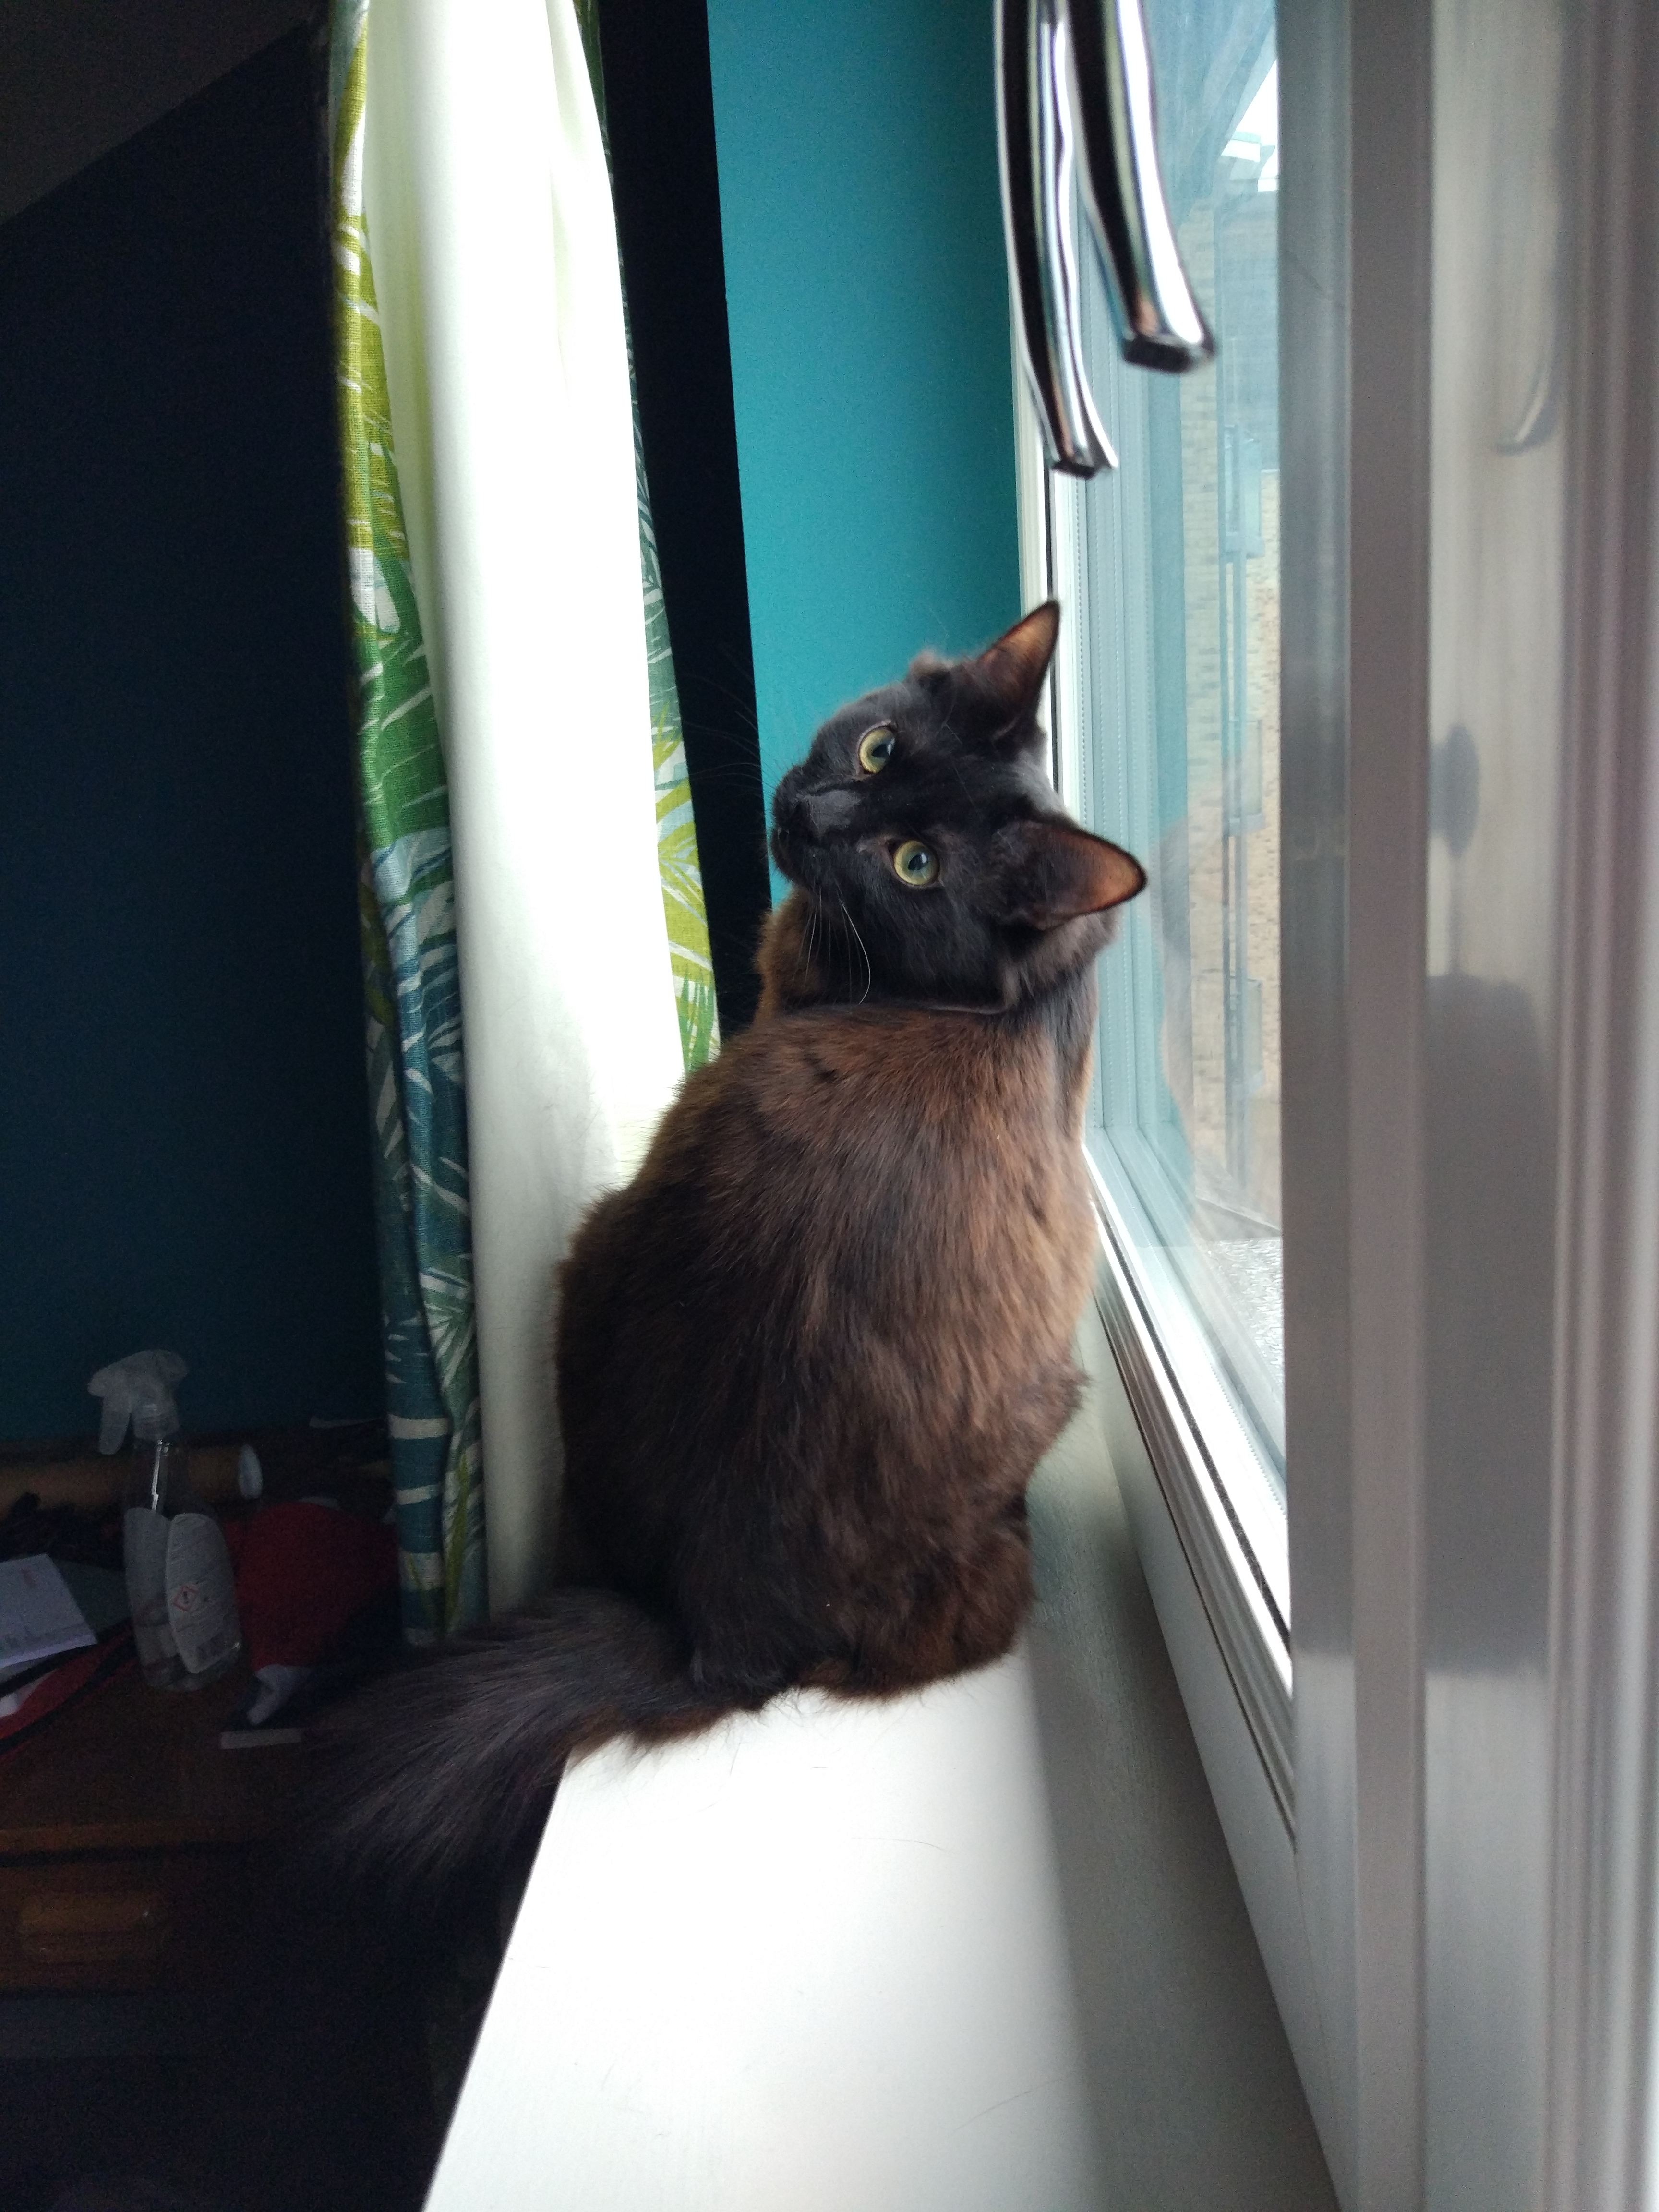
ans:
(450, 1765)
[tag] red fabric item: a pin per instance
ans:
(81, 1670)
(303, 1574)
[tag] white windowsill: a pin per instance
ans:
(813, 1960)
(980, 1949)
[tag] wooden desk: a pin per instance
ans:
(168, 2009)
(126, 1836)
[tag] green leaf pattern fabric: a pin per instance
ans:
(676, 834)
(407, 916)
(410, 969)
(676, 830)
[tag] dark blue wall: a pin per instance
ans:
(868, 310)
(184, 1150)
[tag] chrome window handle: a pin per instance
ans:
(1035, 136)
(1157, 317)
(1071, 70)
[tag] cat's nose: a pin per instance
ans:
(816, 814)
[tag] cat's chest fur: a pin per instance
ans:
(945, 1148)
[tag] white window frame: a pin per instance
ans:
(1369, 1807)
(1215, 1485)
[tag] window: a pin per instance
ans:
(1432, 1056)
(1167, 729)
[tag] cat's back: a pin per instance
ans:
(840, 1151)
(835, 1087)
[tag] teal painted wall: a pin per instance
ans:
(867, 303)
(184, 1118)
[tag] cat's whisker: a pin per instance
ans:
(869, 972)
(808, 943)
(843, 974)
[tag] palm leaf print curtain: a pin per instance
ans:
(411, 980)
(677, 833)
(421, 954)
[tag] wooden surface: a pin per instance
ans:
(348, 1462)
(94, 1484)
(127, 1832)
(134, 1920)
(129, 1768)
(126, 1841)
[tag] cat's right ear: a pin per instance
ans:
(1008, 674)
(1054, 872)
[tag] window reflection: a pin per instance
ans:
(1178, 575)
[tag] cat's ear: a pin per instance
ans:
(1009, 674)
(1053, 872)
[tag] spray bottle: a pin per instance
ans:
(179, 1584)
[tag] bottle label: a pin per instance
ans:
(201, 1592)
(144, 1544)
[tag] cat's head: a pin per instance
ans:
(932, 861)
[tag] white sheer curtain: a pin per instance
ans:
(493, 248)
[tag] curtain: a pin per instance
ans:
(406, 914)
(677, 836)
(529, 851)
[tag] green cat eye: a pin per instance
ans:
(876, 749)
(913, 863)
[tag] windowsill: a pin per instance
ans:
(814, 1958)
(978, 1947)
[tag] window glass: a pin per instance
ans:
(1172, 747)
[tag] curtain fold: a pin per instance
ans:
(406, 912)
(516, 686)
(677, 836)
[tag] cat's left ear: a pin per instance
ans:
(1009, 674)
(1053, 872)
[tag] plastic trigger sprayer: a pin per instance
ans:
(179, 1584)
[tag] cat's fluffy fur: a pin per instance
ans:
(810, 1357)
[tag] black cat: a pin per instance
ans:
(810, 1356)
